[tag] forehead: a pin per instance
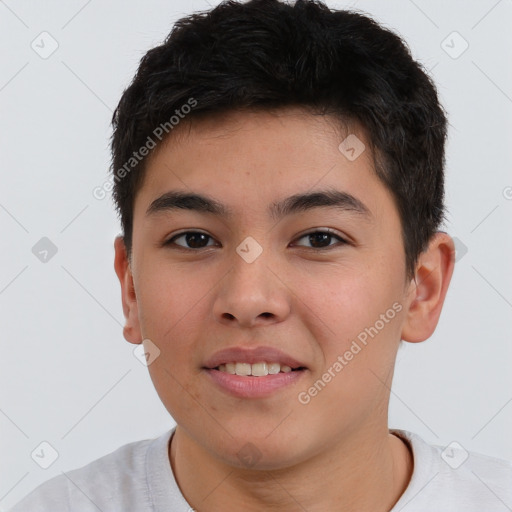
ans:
(247, 158)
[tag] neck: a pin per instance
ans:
(366, 472)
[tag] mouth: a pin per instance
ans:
(253, 373)
(260, 369)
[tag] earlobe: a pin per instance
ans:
(428, 290)
(131, 330)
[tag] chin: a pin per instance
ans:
(253, 457)
(253, 451)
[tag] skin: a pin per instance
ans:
(308, 301)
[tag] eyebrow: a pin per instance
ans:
(330, 198)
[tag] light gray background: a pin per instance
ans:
(67, 375)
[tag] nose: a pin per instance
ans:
(252, 294)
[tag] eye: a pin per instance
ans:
(322, 239)
(192, 240)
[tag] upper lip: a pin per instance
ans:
(252, 355)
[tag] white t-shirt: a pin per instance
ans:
(138, 477)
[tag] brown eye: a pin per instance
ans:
(322, 239)
(192, 240)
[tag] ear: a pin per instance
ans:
(131, 330)
(428, 289)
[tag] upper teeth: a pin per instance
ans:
(256, 369)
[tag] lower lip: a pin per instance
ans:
(253, 387)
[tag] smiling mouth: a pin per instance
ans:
(261, 369)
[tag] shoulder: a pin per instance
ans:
(451, 479)
(116, 481)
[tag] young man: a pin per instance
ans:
(278, 170)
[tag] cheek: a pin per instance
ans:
(173, 309)
(358, 335)
(172, 314)
(167, 296)
(355, 305)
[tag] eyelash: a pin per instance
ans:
(329, 232)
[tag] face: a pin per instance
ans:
(317, 284)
